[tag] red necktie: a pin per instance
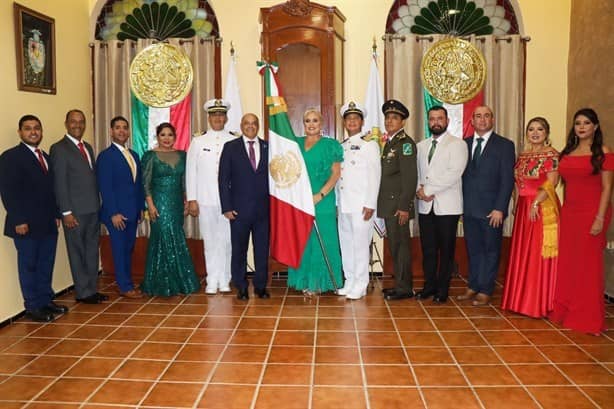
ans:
(252, 154)
(83, 153)
(41, 160)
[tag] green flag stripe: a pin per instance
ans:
(140, 125)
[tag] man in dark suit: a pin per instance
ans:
(123, 202)
(244, 196)
(32, 218)
(395, 202)
(77, 195)
(488, 181)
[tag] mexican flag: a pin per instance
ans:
(291, 202)
(145, 119)
(458, 114)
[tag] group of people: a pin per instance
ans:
(555, 268)
(223, 180)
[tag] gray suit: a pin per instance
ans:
(77, 192)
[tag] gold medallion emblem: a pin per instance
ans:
(453, 71)
(161, 75)
(285, 169)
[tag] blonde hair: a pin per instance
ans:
(313, 111)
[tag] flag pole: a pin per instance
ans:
(326, 260)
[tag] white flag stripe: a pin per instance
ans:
(374, 100)
(455, 115)
(298, 196)
(156, 117)
(233, 96)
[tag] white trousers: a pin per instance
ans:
(215, 230)
(355, 236)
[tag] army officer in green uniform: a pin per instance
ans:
(395, 202)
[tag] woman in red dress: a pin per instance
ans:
(586, 167)
(530, 278)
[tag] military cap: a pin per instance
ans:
(216, 105)
(353, 108)
(394, 106)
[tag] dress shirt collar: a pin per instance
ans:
(486, 136)
(121, 148)
(246, 141)
(32, 148)
(73, 139)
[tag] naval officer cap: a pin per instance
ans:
(353, 108)
(394, 106)
(216, 105)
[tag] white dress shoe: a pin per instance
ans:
(210, 290)
(225, 289)
(343, 291)
(354, 296)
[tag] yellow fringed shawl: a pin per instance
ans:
(550, 220)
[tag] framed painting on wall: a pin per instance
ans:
(35, 50)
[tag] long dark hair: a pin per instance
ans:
(597, 156)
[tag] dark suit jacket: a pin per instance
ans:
(241, 188)
(76, 188)
(490, 185)
(120, 194)
(27, 193)
(397, 189)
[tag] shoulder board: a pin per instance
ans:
(233, 133)
(367, 137)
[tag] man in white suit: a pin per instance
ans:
(202, 192)
(441, 162)
(357, 191)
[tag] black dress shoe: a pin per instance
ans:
(92, 299)
(102, 297)
(243, 295)
(399, 295)
(262, 293)
(40, 315)
(56, 308)
(440, 299)
(424, 295)
(388, 290)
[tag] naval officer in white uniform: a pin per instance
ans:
(357, 191)
(203, 196)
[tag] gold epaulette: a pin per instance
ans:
(233, 133)
(367, 137)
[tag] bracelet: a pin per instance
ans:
(600, 218)
(535, 204)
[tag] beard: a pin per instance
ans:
(437, 130)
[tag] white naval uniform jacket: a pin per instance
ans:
(361, 172)
(443, 177)
(202, 167)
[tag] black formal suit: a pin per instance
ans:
(246, 191)
(28, 197)
(77, 192)
(487, 186)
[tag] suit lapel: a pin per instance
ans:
(264, 152)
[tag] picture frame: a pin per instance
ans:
(35, 50)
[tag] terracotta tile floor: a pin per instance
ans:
(292, 352)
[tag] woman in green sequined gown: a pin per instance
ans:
(169, 269)
(323, 157)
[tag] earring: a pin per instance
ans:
(575, 139)
(547, 142)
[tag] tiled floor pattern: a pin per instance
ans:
(291, 352)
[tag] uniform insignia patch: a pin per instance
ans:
(407, 149)
(354, 147)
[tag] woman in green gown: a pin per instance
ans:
(323, 157)
(169, 269)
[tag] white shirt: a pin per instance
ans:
(361, 171)
(203, 166)
(33, 149)
(77, 142)
(485, 138)
(256, 141)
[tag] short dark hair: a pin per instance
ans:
(163, 125)
(73, 110)
(437, 108)
(29, 117)
(117, 119)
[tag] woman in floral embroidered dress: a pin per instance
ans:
(531, 273)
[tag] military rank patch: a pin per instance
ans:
(407, 149)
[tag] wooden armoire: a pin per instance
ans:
(306, 40)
